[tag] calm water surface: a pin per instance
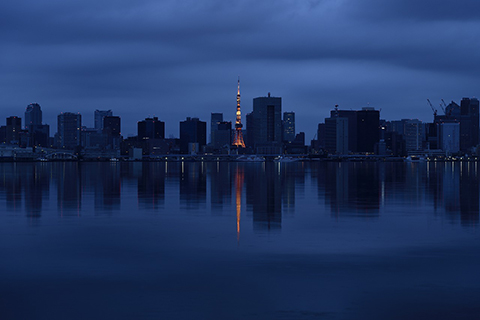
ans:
(239, 241)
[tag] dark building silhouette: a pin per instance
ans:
(151, 128)
(368, 123)
(395, 144)
(111, 130)
(39, 135)
(215, 119)
(321, 135)
(336, 135)
(98, 117)
(33, 115)
(467, 115)
(222, 135)
(112, 126)
(288, 126)
(193, 135)
(69, 130)
(249, 142)
(351, 116)
(13, 130)
(267, 124)
(468, 124)
(363, 128)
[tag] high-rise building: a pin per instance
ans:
(98, 117)
(111, 130)
(414, 134)
(469, 109)
(238, 138)
(38, 133)
(111, 125)
(351, 115)
(336, 135)
(69, 127)
(288, 126)
(368, 123)
(13, 129)
(467, 115)
(151, 128)
(33, 115)
(450, 137)
(267, 121)
(193, 135)
(215, 119)
(250, 129)
(222, 136)
(321, 135)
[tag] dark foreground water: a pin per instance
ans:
(239, 241)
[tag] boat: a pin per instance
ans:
(250, 158)
(414, 158)
(285, 159)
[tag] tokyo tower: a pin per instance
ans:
(238, 138)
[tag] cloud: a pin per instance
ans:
(186, 55)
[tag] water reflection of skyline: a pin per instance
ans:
(265, 192)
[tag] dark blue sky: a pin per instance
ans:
(174, 59)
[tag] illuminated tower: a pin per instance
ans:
(238, 140)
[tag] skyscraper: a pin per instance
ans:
(98, 117)
(222, 135)
(33, 115)
(336, 135)
(112, 125)
(193, 135)
(69, 129)
(238, 139)
(38, 133)
(467, 114)
(368, 123)
(267, 120)
(469, 123)
(351, 116)
(13, 129)
(215, 119)
(151, 128)
(288, 126)
(111, 131)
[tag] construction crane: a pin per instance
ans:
(443, 109)
(433, 109)
(445, 105)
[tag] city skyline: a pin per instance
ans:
(173, 60)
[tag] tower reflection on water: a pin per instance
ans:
(264, 193)
(239, 176)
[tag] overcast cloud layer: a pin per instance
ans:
(174, 59)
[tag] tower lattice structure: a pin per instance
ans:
(238, 138)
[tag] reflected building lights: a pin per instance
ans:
(239, 176)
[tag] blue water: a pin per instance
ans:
(239, 241)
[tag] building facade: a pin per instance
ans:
(98, 118)
(69, 126)
(336, 135)
(193, 135)
(33, 115)
(151, 128)
(215, 119)
(267, 122)
(289, 126)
